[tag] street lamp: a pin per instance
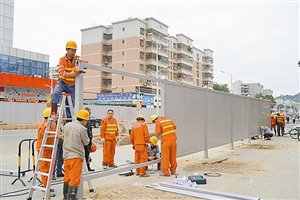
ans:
(231, 77)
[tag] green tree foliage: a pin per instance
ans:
(223, 88)
(267, 97)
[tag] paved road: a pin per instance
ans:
(279, 180)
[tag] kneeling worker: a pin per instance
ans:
(153, 151)
(267, 132)
(75, 138)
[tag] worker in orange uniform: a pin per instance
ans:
(273, 123)
(166, 128)
(75, 140)
(108, 133)
(44, 165)
(280, 122)
(139, 138)
(66, 79)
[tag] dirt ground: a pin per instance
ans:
(130, 191)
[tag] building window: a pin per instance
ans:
(123, 53)
(141, 67)
(122, 90)
(141, 42)
(123, 41)
(142, 31)
(123, 65)
(107, 47)
(123, 77)
(107, 36)
(142, 55)
(123, 29)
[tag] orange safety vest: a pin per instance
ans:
(165, 126)
(109, 129)
(64, 69)
(280, 119)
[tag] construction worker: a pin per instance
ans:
(166, 128)
(75, 138)
(44, 165)
(139, 138)
(88, 125)
(66, 80)
(273, 123)
(153, 151)
(268, 134)
(280, 122)
(109, 132)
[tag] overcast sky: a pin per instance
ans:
(256, 42)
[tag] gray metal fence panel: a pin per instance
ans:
(186, 107)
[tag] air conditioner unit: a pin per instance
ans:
(105, 62)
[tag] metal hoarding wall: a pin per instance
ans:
(206, 118)
(185, 105)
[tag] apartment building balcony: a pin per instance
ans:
(208, 59)
(208, 68)
(207, 76)
(186, 61)
(152, 61)
(185, 51)
(162, 52)
(159, 40)
(153, 73)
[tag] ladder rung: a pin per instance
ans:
(48, 145)
(38, 188)
(45, 159)
(51, 132)
(42, 173)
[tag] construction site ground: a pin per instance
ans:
(267, 169)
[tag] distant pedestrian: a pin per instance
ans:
(139, 138)
(294, 118)
(280, 122)
(166, 128)
(109, 132)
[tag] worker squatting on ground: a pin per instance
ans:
(153, 151)
(139, 138)
(44, 165)
(75, 138)
(166, 128)
(280, 122)
(87, 149)
(66, 79)
(273, 123)
(109, 132)
(268, 134)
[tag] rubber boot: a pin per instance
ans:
(72, 192)
(65, 190)
(89, 168)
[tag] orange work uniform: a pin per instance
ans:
(109, 131)
(44, 166)
(166, 128)
(65, 67)
(273, 124)
(139, 137)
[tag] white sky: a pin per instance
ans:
(255, 41)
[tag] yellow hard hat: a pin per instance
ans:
(153, 117)
(154, 140)
(140, 116)
(262, 127)
(83, 114)
(71, 45)
(46, 112)
(272, 115)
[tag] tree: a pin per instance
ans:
(223, 88)
(267, 97)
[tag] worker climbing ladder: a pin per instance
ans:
(50, 134)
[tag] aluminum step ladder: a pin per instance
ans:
(56, 134)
